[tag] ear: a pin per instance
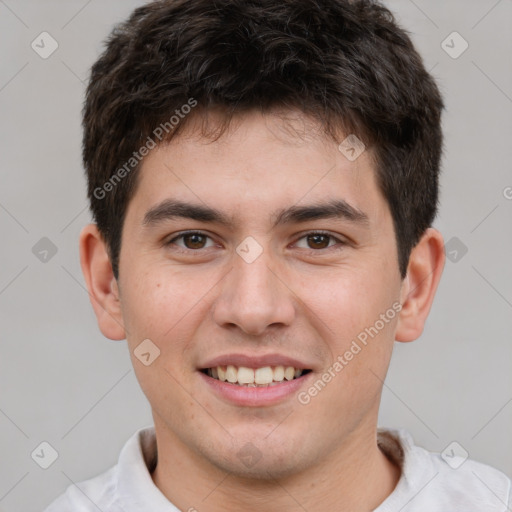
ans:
(424, 271)
(101, 283)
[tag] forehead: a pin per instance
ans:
(261, 164)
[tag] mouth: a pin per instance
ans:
(255, 380)
(263, 377)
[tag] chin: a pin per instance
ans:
(261, 460)
(265, 470)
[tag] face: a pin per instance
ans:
(292, 263)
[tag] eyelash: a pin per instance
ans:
(341, 243)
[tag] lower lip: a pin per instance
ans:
(257, 396)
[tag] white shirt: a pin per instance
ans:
(427, 483)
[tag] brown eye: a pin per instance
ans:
(318, 241)
(192, 240)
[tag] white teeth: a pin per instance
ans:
(279, 373)
(231, 374)
(246, 376)
(289, 373)
(263, 375)
(266, 376)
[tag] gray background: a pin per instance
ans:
(62, 382)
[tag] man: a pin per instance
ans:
(263, 178)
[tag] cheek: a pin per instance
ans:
(346, 301)
(164, 314)
(351, 308)
(166, 307)
(155, 303)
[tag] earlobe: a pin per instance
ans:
(101, 283)
(424, 272)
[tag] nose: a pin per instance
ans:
(254, 296)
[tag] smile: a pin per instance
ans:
(265, 376)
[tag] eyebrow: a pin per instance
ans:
(334, 209)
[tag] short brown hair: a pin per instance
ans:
(344, 62)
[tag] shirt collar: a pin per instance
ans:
(135, 488)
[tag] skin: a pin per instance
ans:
(300, 299)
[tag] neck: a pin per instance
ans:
(355, 477)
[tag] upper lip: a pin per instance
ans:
(255, 361)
